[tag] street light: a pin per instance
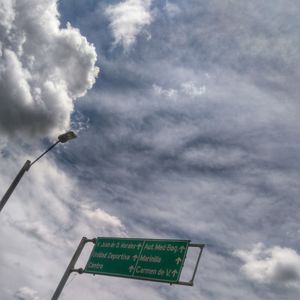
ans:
(63, 138)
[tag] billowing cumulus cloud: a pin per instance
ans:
(43, 68)
(271, 265)
(127, 20)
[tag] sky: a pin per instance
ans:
(187, 123)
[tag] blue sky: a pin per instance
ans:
(189, 130)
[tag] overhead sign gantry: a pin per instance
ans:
(159, 260)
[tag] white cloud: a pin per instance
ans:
(172, 9)
(26, 293)
(98, 215)
(43, 68)
(189, 89)
(127, 20)
(271, 265)
(168, 93)
(7, 16)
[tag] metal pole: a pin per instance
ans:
(196, 267)
(25, 168)
(69, 269)
(14, 184)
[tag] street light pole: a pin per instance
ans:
(14, 184)
(63, 138)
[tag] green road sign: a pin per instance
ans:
(157, 260)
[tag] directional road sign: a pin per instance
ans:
(148, 259)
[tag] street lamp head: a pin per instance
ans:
(63, 138)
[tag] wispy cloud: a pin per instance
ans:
(194, 134)
(172, 9)
(187, 89)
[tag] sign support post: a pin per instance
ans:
(70, 267)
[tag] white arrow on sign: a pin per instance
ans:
(131, 269)
(182, 248)
(174, 273)
(135, 257)
(178, 260)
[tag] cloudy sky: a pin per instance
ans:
(187, 116)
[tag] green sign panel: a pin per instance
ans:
(157, 260)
